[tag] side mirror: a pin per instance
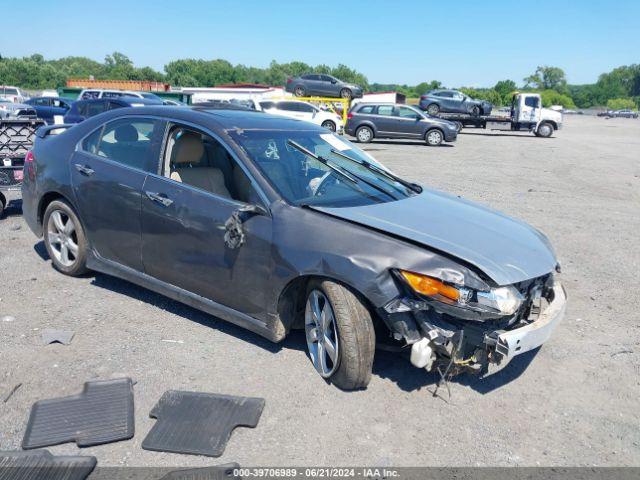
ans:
(334, 81)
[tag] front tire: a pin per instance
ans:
(364, 134)
(329, 125)
(545, 130)
(64, 239)
(340, 335)
(434, 137)
(475, 111)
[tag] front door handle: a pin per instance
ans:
(85, 169)
(160, 198)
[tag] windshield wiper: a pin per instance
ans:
(341, 170)
(411, 186)
(324, 161)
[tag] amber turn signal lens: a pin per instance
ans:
(430, 286)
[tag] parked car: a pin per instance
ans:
(90, 93)
(9, 109)
(304, 111)
(83, 109)
(48, 107)
(275, 224)
(367, 121)
(13, 94)
(453, 101)
(323, 86)
(625, 113)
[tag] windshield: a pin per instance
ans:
(340, 175)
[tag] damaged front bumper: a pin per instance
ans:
(458, 345)
(503, 345)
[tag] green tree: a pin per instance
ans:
(505, 89)
(552, 97)
(547, 78)
(621, 104)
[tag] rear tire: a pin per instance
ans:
(350, 335)
(3, 204)
(433, 109)
(545, 130)
(299, 91)
(364, 134)
(64, 239)
(346, 94)
(329, 125)
(434, 137)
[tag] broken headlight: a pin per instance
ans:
(496, 302)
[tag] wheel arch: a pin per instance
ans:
(367, 123)
(292, 299)
(434, 127)
(49, 197)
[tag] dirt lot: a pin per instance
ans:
(574, 403)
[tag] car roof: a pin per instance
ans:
(217, 119)
(122, 100)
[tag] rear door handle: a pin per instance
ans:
(160, 198)
(84, 169)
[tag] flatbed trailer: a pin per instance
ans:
(526, 114)
(16, 139)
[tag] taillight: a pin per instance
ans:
(423, 97)
(349, 116)
(30, 165)
(289, 80)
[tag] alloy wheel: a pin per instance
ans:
(329, 125)
(364, 135)
(62, 238)
(322, 333)
(434, 137)
(433, 109)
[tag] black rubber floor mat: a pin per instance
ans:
(199, 423)
(102, 413)
(219, 472)
(41, 465)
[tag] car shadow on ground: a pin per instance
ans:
(12, 209)
(398, 369)
(399, 142)
(484, 134)
(395, 367)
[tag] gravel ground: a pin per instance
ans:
(575, 402)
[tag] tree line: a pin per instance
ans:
(617, 89)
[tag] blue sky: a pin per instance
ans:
(472, 43)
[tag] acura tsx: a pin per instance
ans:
(276, 224)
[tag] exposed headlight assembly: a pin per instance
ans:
(455, 299)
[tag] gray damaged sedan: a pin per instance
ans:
(276, 224)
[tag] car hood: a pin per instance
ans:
(505, 249)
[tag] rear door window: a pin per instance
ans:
(386, 110)
(94, 108)
(134, 142)
(288, 106)
(90, 143)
